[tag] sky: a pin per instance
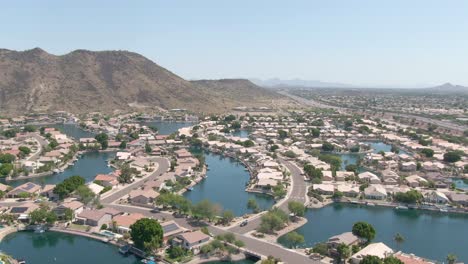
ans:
(401, 43)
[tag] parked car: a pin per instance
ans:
(244, 223)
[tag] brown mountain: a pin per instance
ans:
(85, 81)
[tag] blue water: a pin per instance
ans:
(167, 128)
(378, 146)
(427, 234)
(73, 131)
(58, 248)
(241, 133)
(225, 186)
(91, 164)
(460, 184)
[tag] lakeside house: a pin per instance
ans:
(93, 217)
(375, 192)
(76, 207)
(375, 249)
(122, 223)
(191, 240)
(347, 238)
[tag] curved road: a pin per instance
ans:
(298, 193)
(162, 168)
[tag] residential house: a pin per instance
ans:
(376, 192)
(375, 249)
(93, 218)
(347, 238)
(415, 181)
(29, 188)
(369, 177)
(435, 197)
(327, 189)
(408, 166)
(75, 206)
(106, 180)
(191, 240)
(122, 223)
(142, 197)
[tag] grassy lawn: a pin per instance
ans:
(82, 228)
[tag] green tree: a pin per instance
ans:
(429, 153)
(315, 132)
(7, 158)
(273, 148)
(399, 239)
(148, 148)
(369, 259)
(248, 143)
(127, 173)
(205, 210)
(252, 204)
(351, 167)
(68, 186)
(25, 150)
(228, 216)
(344, 252)
(273, 220)
(452, 156)
(29, 128)
(451, 258)
(334, 161)
(294, 239)
(123, 145)
(320, 248)
(282, 134)
(68, 214)
(364, 230)
(392, 260)
(409, 197)
(297, 208)
(5, 169)
(327, 146)
(355, 148)
(146, 234)
(102, 138)
(313, 173)
(85, 193)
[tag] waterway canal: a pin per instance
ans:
(428, 234)
(226, 184)
(58, 248)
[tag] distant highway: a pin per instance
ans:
(314, 103)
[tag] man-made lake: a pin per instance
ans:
(378, 146)
(88, 166)
(427, 234)
(225, 185)
(460, 183)
(91, 163)
(167, 128)
(56, 248)
(241, 133)
(73, 131)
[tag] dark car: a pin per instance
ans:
(244, 223)
(155, 210)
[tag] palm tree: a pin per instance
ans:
(451, 258)
(399, 239)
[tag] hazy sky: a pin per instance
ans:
(394, 42)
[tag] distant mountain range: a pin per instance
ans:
(447, 88)
(85, 81)
(276, 83)
(279, 83)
